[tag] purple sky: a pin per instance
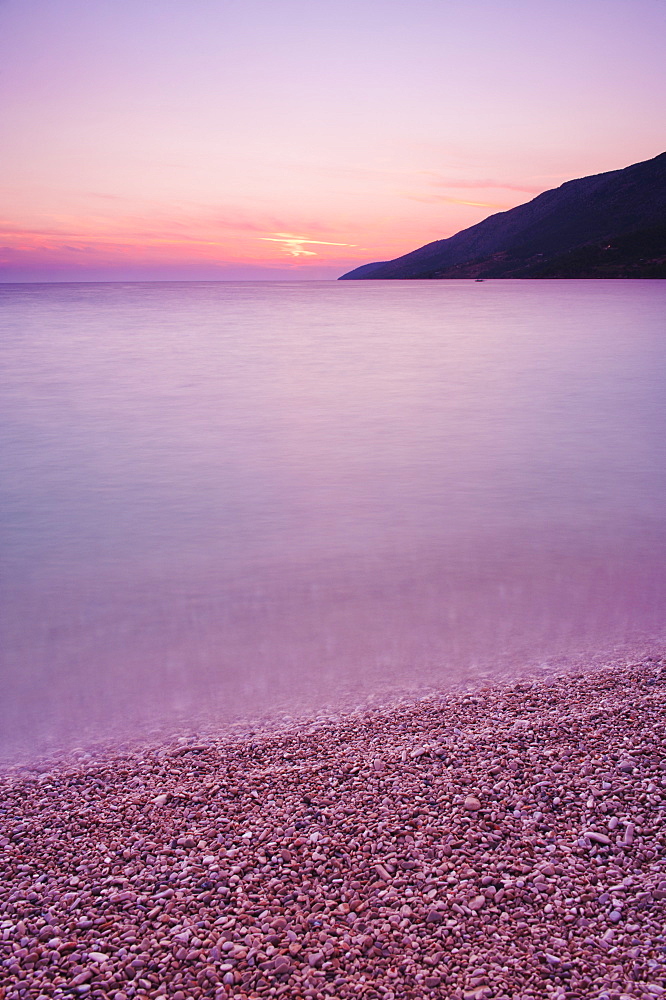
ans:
(296, 139)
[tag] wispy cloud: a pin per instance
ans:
(438, 199)
(485, 184)
(105, 196)
(64, 242)
(293, 245)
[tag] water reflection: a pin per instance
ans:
(231, 499)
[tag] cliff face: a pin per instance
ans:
(607, 225)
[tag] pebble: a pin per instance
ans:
(596, 837)
(335, 861)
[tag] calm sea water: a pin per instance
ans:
(222, 500)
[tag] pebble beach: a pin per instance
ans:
(501, 843)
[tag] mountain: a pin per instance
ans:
(610, 225)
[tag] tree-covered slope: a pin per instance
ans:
(574, 229)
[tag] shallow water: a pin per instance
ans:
(222, 500)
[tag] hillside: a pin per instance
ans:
(607, 225)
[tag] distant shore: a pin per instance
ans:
(500, 844)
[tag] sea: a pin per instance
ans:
(225, 505)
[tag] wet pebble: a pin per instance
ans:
(505, 843)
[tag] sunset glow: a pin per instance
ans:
(221, 140)
(293, 245)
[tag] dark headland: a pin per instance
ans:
(503, 843)
(610, 225)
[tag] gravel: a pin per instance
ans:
(503, 843)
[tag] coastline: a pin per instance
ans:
(501, 843)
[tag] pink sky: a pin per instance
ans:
(228, 139)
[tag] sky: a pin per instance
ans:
(296, 139)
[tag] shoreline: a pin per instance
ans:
(289, 718)
(502, 842)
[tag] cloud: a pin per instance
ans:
(485, 184)
(191, 235)
(293, 245)
(438, 199)
(106, 197)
